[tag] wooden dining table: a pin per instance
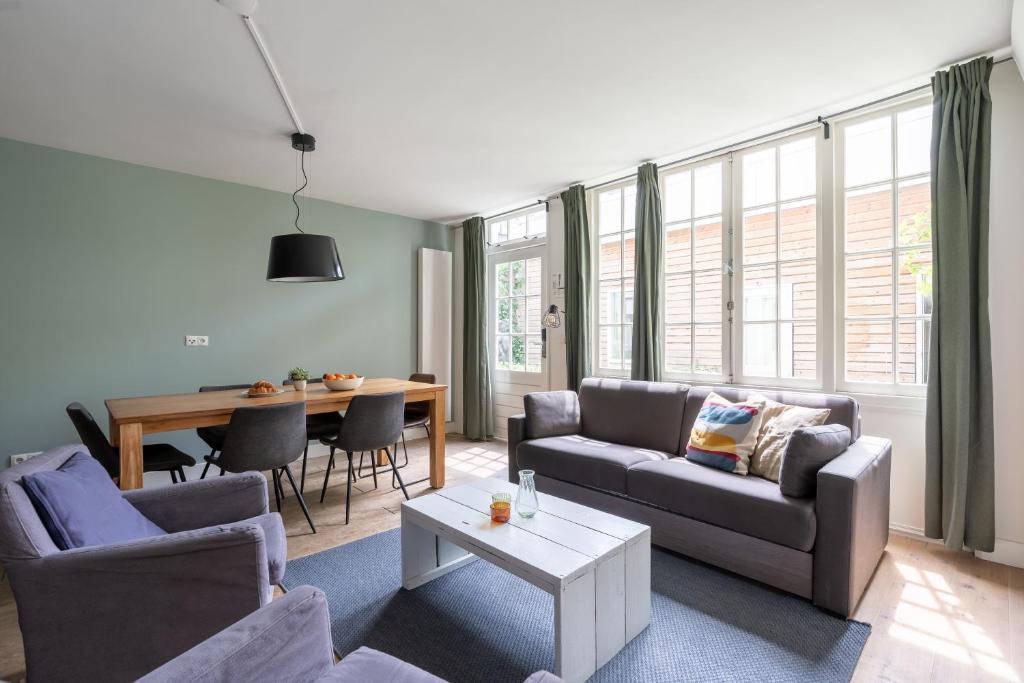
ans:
(131, 418)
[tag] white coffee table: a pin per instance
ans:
(596, 565)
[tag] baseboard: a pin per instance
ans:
(1006, 552)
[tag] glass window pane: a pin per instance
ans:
(628, 253)
(537, 223)
(797, 170)
(518, 324)
(678, 349)
(501, 279)
(708, 297)
(708, 244)
(798, 350)
(759, 178)
(499, 232)
(627, 346)
(799, 230)
(518, 277)
(869, 219)
(915, 281)
(759, 349)
(504, 347)
(504, 315)
(677, 248)
(914, 141)
(610, 303)
(610, 348)
(517, 227)
(610, 257)
(609, 211)
(707, 349)
(677, 197)
(677, 300)
(868, 151)
(914, 200)
(627, 300)
(869, 285)
(869, 351)
(534, 276)
(533, 315)
(707, 189)
(759, 236)
(533, 351)
(798, 290)
(759, 293)
(518, 362)
(629, 207)
(914, 339)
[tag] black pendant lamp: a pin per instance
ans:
(300, 256)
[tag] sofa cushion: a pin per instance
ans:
(80, 506)
(845, 410)
(587, 462)
(782, 420)
(551, 413)
(747, 505)
(643, 414)
(810, 449)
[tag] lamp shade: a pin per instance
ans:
(300, 257)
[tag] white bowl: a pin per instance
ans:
(343, 384)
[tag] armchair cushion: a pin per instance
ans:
(80, 506)
(551, 413)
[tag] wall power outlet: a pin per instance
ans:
(197, 340)
(19, 458)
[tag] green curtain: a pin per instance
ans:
(959, 486)
(577, 285)
(477, 399)
(647, 284)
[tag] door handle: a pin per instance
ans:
(543, 342)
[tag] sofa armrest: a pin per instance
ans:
(127, 608)
(852, 508)
(204, 502)
(516, 434)
(288, 640)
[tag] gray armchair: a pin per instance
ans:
(290, 640)
(114, 612)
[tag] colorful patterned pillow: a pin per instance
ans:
(725, 433)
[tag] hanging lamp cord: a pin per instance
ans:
(305, 181)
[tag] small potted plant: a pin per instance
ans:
(299, 377)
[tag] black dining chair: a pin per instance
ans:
(416, 415)
(214, 436)
(156, 457)
(264, 438)
(373, 422)
(318, 426)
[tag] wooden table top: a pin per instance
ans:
(211, 403)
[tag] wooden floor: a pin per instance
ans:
(936, 615)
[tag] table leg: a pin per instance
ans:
(576, 630)
(437, 424)
(129, 440)
(382, 459)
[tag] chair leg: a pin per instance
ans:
(221, 473)
(277, 492)
(302, 479)
(298, 494)
(348, 486)
(174, 475)
(207, 467)
(397, 475)
(327, 475)
(373, 466)
(181, 474)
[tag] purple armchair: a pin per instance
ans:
(115, 612)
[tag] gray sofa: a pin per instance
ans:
(290, 640)
(620, 448)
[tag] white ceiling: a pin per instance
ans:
(441, 109)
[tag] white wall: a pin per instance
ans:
(1017, 34)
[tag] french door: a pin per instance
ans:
(518, 298)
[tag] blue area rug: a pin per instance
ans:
(481, 623)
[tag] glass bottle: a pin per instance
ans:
(526, 498)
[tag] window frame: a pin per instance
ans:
(593, 211)
(894, 388)
(528, 240)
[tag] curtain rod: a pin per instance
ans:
(822, 120)
(547, 207)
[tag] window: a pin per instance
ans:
(517, 308)
(521, 226)
(694, 249)
(615, 218)
(776, 252)
(884, 212)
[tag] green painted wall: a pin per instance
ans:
(106, 266)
